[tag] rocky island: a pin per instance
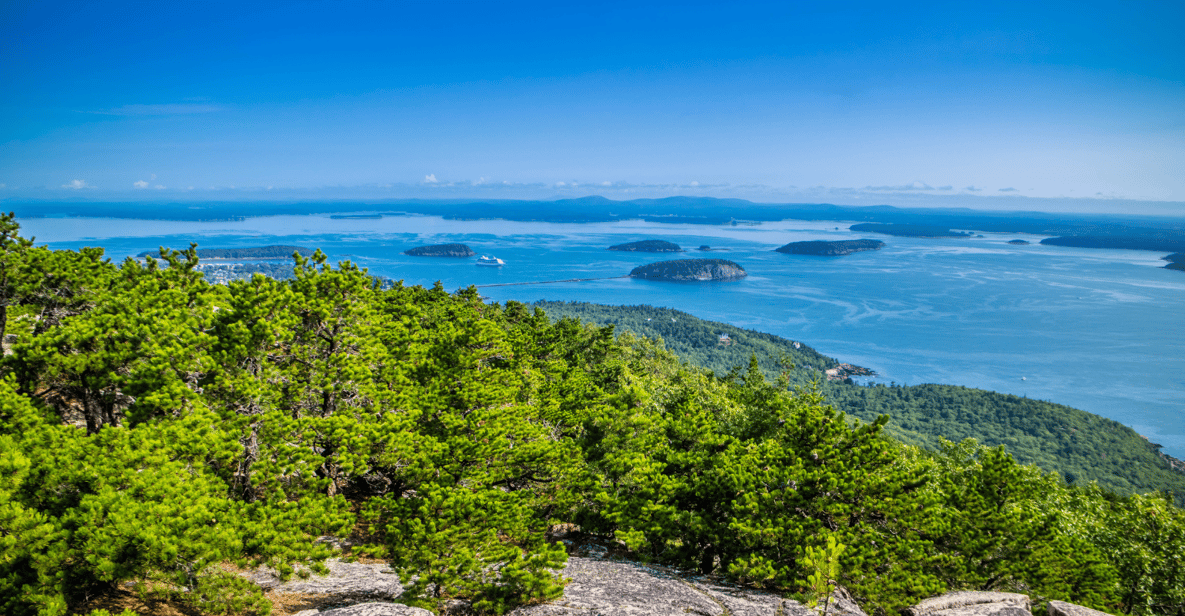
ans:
(1019, 242)
(830, 249)
(441, 250)
(690, 270)
(648, 246)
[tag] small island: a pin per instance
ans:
(648, 246)
(239, 254)
(441, 250)
(903, 230)
(830, 249)
(690, 270)
(1019, 242)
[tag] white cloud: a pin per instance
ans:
(76, 184)
(973, 189)
(430, 179)
(140, 184)
(606, 183)
(694, 183)
(158, 187)
(1009, 189)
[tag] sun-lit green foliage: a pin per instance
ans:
(1080, 446)
(156, 429)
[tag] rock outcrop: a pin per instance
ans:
(441, 250)
(971, 603)
(648, 246)
(1061, 608)
(369, 609)
(830, 249)
(691, 270)
(597, 586)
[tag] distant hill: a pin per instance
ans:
(691, 270)
(1081, 446)
(259, 252)
(441, 250)
(830, 249)
(648, 246)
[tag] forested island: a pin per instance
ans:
(1176, 261)
(160, 435)
(237, 254)
(909, 230)
(830, 248)
(690, 270)
(1019, 242)
(441, 250)
(648, 246)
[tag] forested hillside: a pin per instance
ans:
(1081, 446)
(159, 433)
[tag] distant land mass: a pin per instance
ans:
(830, 249)
(905, 230)
(691, 270)
(1176, 261)
(441, 250)
(1166, 242)
(648, 246)
(1019, 242)
(227, 254)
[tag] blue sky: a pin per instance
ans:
(1081, 105)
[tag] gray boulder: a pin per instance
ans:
(972, 603)
(1061, 608)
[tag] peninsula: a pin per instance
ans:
(1176, 261)
(648, 246)
(441, 250)
(237, 254)
(830, 249)
(690, 270)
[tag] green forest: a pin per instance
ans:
(1082, 447)
(162, 433)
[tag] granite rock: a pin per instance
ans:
(1061, 608)
(972, 603)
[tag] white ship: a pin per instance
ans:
(490, 261)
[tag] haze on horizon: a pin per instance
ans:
(1057, 107)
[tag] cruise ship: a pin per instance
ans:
(490, 261)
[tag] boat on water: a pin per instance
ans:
(490, 261)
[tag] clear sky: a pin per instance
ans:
(931, 103)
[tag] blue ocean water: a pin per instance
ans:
(1100, 330)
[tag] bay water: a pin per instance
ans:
(1100, 330)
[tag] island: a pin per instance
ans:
(830, 248)
(690, 270)
(239, 254)
(907, 230)
(441, 250)
(648, 246)
(1019, 242)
